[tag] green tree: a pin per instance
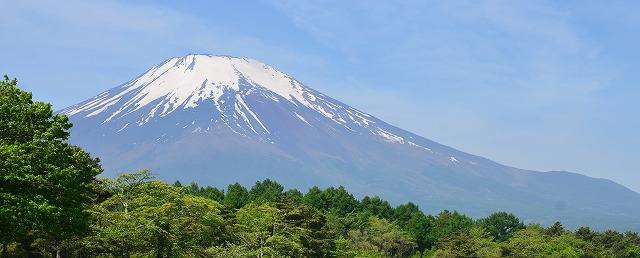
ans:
(208, 192)
(192, 189)
(381, 237)
(293, 196)
(556, 229)
(585, 233)
(632, 242)
(237, 196)
(152, 218)
(343, 248)
(260, 228)
(566, 245)
(612, 241)
(266, 191)
(309, 226)
(212, 193)
(228, 251)
(528, 242)
(376, 206)
(500, 225)
(469, 242)
(340, 201)
(315, 197)
(448, 223)
(45, 182)
(422, 228)
(404, 212)
(117, 225)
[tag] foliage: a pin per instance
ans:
(556, 229)
(146, 218)
(469, 242)
(45, 183)
(334, 200)
(136, 216)
(377, 207)
(309, 226)
(422, 228)
(266, 191)
(237, 196)
(528, 242)
(385, 237)
(404, 212)
(500, 225)
(208, 192)
(450, 223)
(258, 227)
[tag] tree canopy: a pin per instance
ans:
(45, 182)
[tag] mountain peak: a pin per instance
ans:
(185, 82)
(229, 90)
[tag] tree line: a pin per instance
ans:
(52, 204)
(137, 216)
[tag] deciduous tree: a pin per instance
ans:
(152, 218)
(381, 237)
(469, 242)
(261, 229)
(45, 182)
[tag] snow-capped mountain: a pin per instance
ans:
(216, 120)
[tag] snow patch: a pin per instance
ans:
(302, 118)
(416, 145)
(125, 126)
(389, 137)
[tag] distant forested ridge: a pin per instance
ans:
(136, 216)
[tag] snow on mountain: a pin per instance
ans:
(188, 82)
(182, 83)
(218, 120)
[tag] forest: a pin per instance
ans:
(136, 216)
(53, 205)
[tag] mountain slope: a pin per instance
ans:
(218, 119)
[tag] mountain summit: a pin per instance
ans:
(194, 80)
(217, 120)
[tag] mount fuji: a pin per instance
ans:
(217, 120)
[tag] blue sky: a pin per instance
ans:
(541, 85)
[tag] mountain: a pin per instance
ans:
(217, 120)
